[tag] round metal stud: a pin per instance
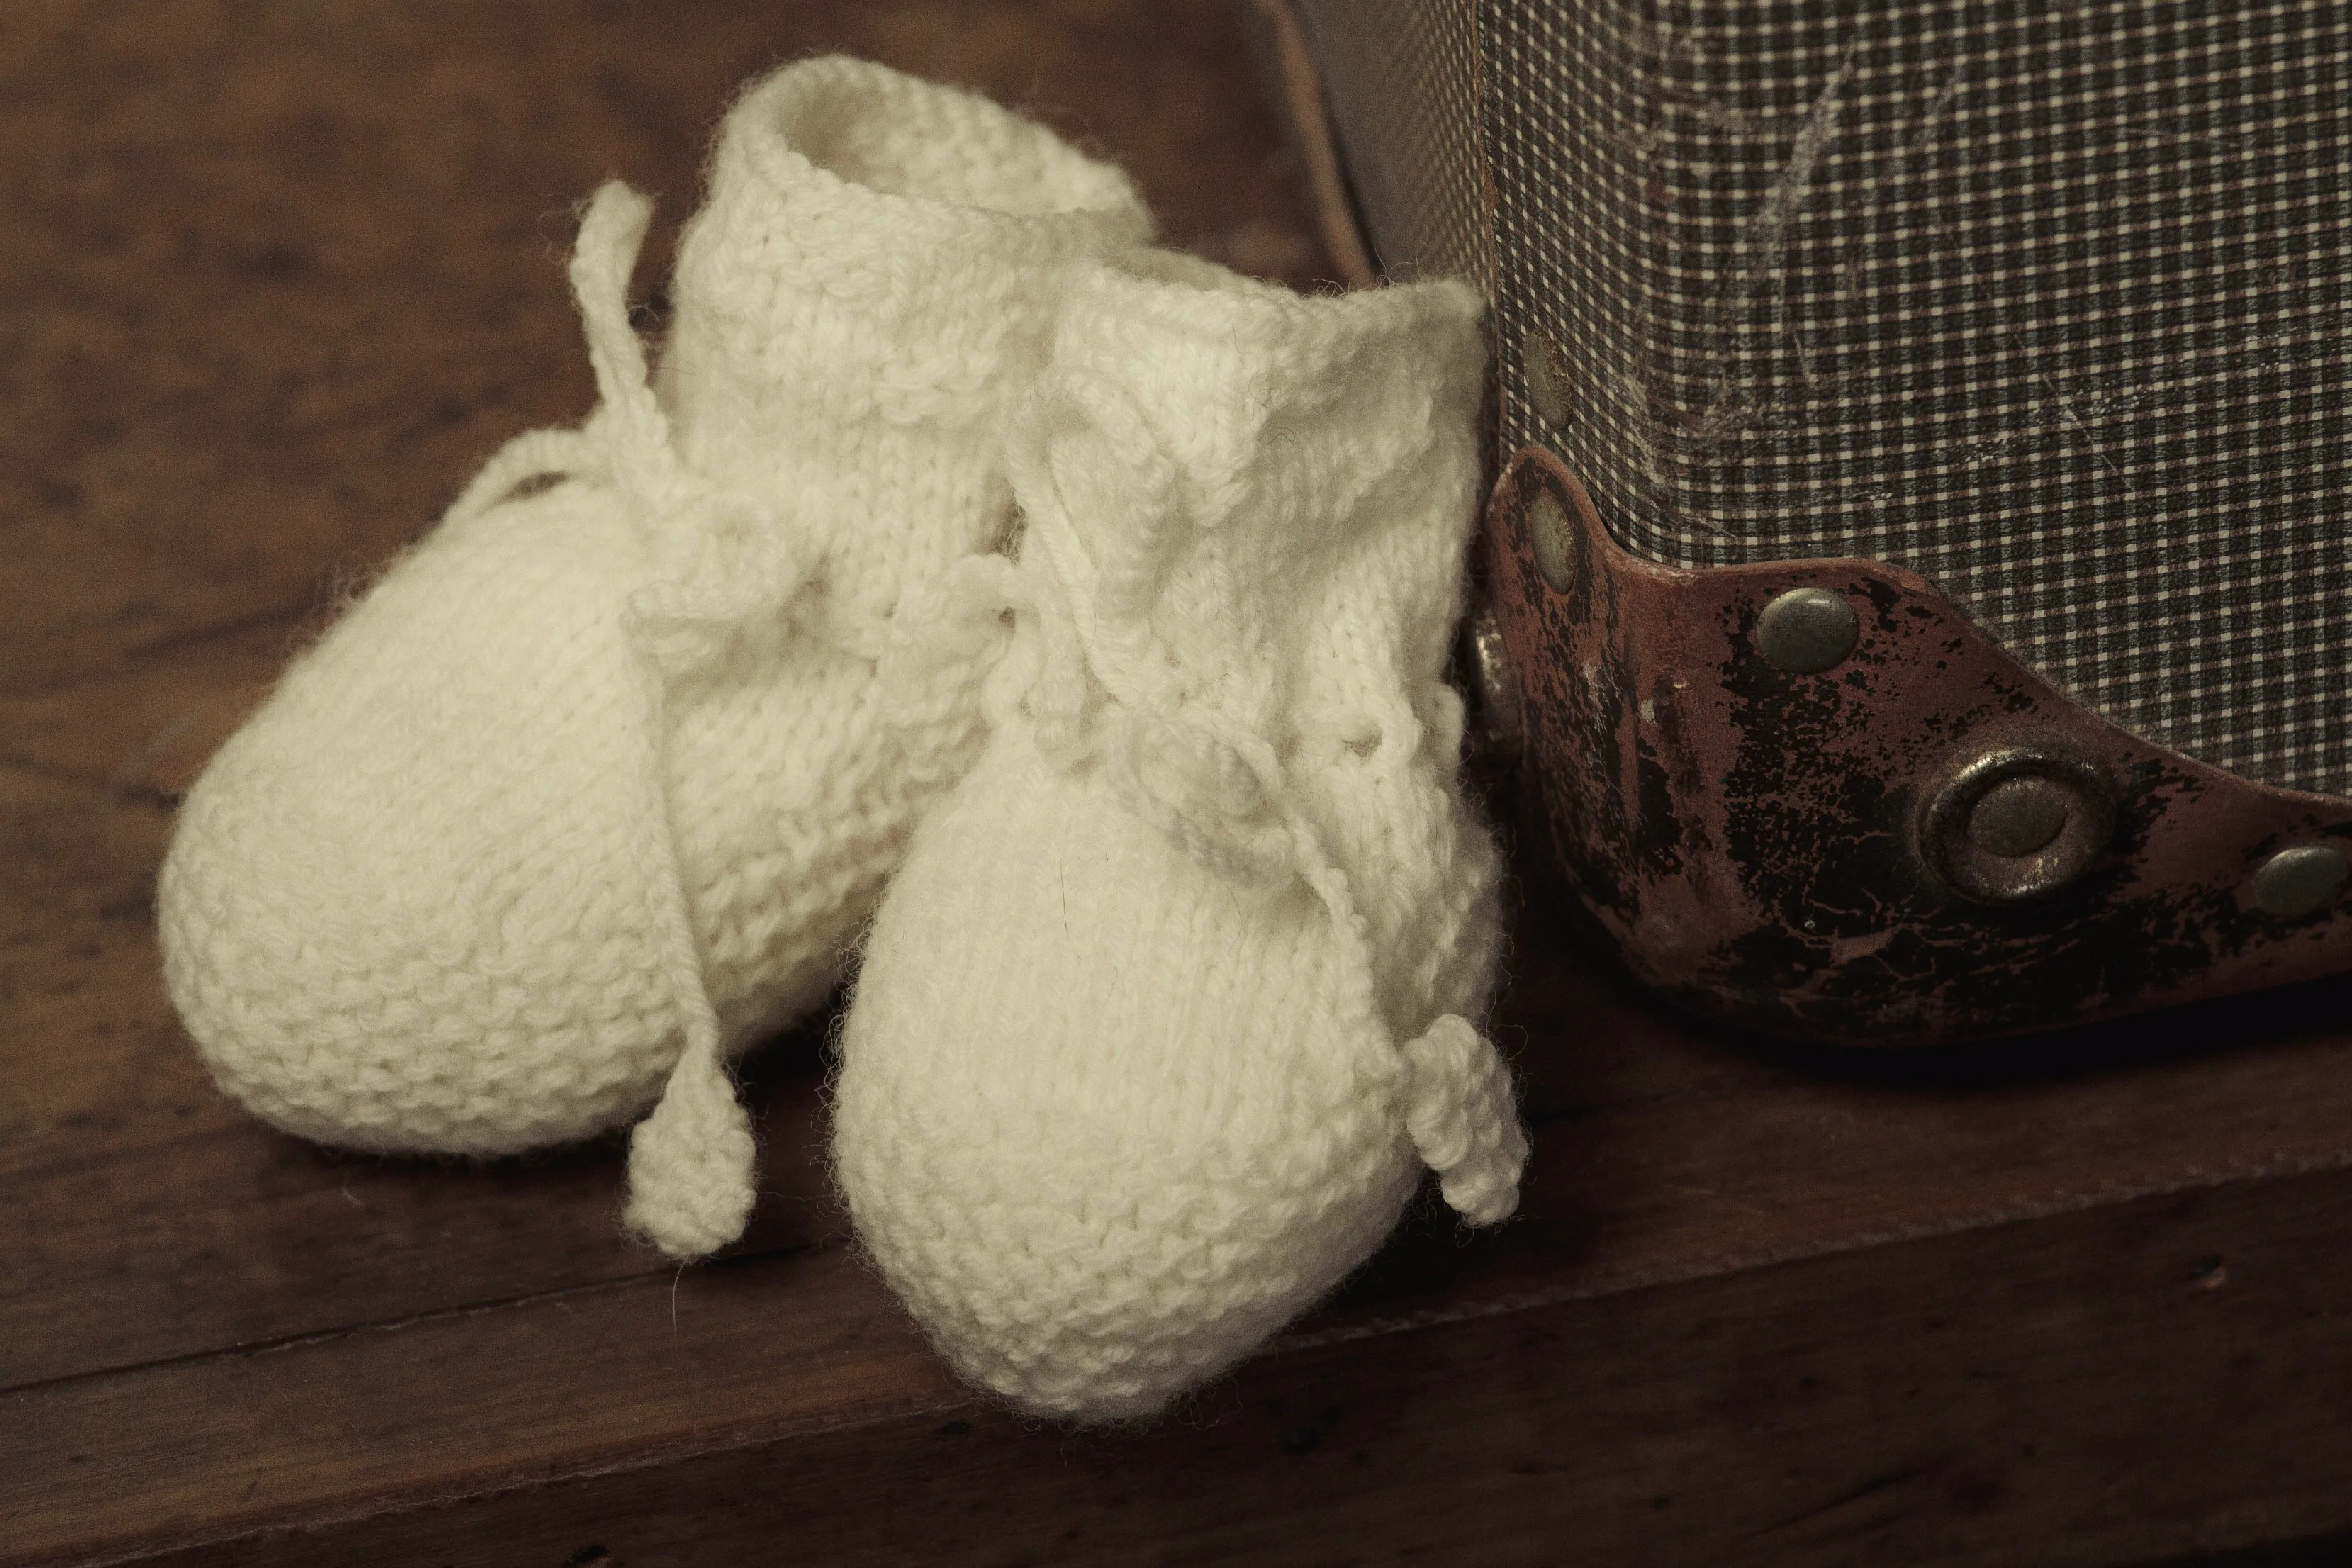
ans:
(2017, 823)
(1545, 376)
(2302, 880)
(1559, 550)
(1501, 721)
(2019, 816)
(1807, 630)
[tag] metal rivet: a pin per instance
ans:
(2019, 822)
(1501, 723)
(1807, 630)
(1545, 376)
(2302, 880)
(1559, 549)
(2019, 816)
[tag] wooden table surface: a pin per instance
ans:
(277, 275)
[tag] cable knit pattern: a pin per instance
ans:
(592, 786)
(1165, 1012)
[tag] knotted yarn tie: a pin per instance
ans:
(1214, 791)
(691, 1161)
(961, 635)
(721, 559)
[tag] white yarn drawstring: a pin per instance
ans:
(720, 558)
(690, 1162)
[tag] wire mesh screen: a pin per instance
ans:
(2049, 302)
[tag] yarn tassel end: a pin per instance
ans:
(690, 1162)
(1459, 1110)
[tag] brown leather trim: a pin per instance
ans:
(1753, 841)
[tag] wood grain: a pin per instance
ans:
(281, 273)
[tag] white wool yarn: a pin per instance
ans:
(592, 787)
(1167, 1008)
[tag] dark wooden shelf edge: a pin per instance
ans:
(1926, 1402)
(360, 1517)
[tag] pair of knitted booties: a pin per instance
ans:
(1065, 615)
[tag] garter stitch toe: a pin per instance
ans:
(1168, 1007)
(592, 786)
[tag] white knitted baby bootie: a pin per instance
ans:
(1166, 1010)
(592, 787)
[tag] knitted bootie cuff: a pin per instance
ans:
(902, 228)
(875, 279)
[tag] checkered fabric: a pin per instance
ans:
(2050, 303)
